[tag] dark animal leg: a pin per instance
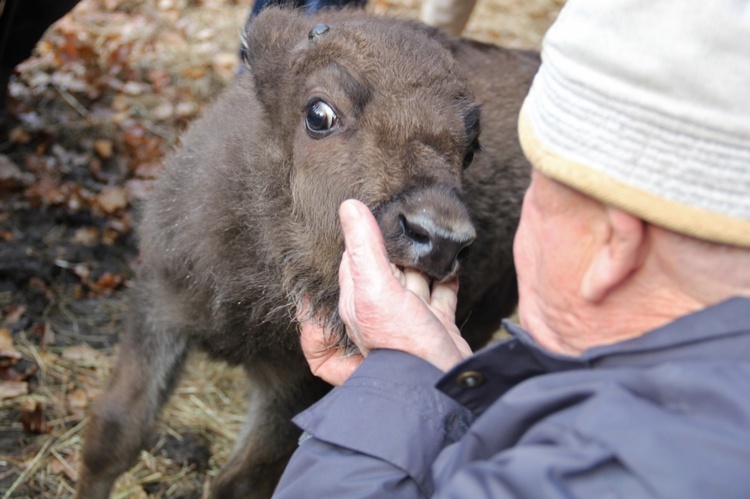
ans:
(147, 369)
(269, 438)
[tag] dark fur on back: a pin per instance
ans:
(243, 221)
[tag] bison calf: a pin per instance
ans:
(243, 224)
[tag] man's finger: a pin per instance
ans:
(400, 277)
(312, 336)
(345, 272)
(445, 298)
(327, 362)
(364, 243)
(338, 369)
(417, 283)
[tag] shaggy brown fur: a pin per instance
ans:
(243, 222)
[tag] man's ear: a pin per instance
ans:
(618, 256)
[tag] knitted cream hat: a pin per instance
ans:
(645, 105)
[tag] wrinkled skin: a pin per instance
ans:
(243, 225)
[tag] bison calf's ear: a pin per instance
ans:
(267, 43)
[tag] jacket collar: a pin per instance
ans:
(721, 331)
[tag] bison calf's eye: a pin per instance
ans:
(474, 148)
(321, 119)
(468, 159)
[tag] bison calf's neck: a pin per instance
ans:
(242, 223)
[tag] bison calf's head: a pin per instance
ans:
(374, 110)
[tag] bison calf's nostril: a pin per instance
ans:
(464, 252)
(415, 231)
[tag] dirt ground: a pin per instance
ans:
(105, 96)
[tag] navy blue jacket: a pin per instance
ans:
(663, 415)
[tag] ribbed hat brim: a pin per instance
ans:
(663, 212)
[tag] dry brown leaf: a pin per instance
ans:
(14, 314)
(139, 189)
(142, 145)
(8, 353)
(19, 135)
(87, 236)
(163, 112)
(111, 5)
(135, 88)
(186, 109)
(110, 281)
(34, 421)
(103, 148)
(47, 192)
(159, 78)
(194, 73)
(77, 401)
(112, 199)
(82, 270)
(18, 372)
(83, 355)
(10, 373)
(225, 64)
(67, 467)
(9, 171)
(13, 389)
(120, 103)
(45, 334)
(148, 170)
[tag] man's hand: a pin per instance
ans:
(326, 360)
(383, 307)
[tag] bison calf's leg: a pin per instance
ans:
(148, 366)
(280, 390)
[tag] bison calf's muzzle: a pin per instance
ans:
(428, 229)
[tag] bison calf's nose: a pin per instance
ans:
(428, 229)
(435, 249)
